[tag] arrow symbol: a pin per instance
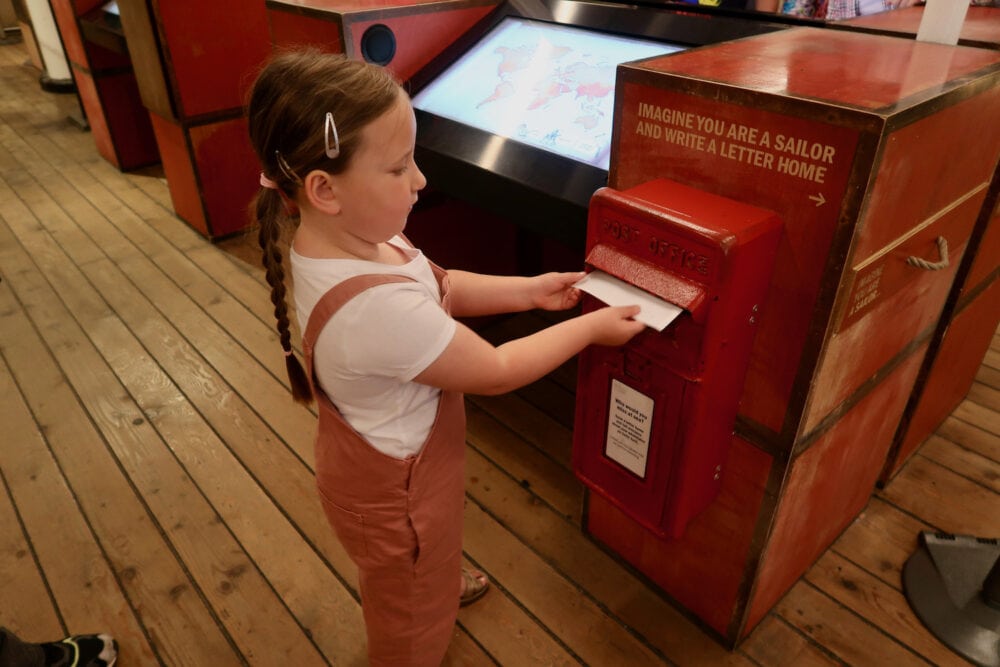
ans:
(819, 199)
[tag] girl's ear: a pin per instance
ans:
(320, 189)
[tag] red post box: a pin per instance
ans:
(654, 418)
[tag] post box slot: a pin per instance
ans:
(662, 284)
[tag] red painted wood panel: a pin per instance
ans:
(420, 37)
(214, 49)
(179, 170)
(894, 303)
(65, 16)
(131, 130)
(828, 486)
(704, 569)
(91, 101)
(439, 226)
(764, 159)
(883, 275)
(988, 255)
(228, 173)
(81, 7)
(958, 360)
(929, 165)
(102, 59)
(844, 68)
(66, 13)
(288, 28)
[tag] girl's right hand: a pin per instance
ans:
(613, 325)
(472, 365)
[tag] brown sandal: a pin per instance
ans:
(474, 586)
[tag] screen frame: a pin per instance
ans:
(537, 189)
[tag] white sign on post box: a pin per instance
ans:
(629, 419)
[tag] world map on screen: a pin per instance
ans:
(542, 84)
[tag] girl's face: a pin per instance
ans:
(380, 187)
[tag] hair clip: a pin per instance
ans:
(285, 169)
(330, 128)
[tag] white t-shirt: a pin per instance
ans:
(371, 349)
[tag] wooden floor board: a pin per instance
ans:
(552, 437)
(84, 586)
(184, 629)
(27, 598)
(878, 603)
(156, 480)
(971, 437)
(880, 540)
(840, 631)
(286, 563)
(992, 358)
(965, 462)
(558, 542)
(224, 572)
(775, 643)
(943, 498)
(988, 376)
(549, 480)
(555, 601)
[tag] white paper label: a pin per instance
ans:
(630, 414)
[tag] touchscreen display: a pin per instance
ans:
(543, 84)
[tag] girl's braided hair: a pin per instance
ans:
(286, 115)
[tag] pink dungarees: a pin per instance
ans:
(400, 520)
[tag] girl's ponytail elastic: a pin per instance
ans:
(301, 389)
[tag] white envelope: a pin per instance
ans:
(655, 312)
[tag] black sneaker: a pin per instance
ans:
(81, 651)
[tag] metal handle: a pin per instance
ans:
(942, 243)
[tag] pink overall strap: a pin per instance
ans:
(330, 302)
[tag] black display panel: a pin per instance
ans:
(516, 117)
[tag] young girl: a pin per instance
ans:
(384, 357)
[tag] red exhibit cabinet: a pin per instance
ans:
(877, 154)
(102, 70)
(194, 62)
(403, 35)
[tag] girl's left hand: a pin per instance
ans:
(555, 291)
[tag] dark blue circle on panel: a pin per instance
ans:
(378, 44)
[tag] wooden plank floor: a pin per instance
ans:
(156, 481)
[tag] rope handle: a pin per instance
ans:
(942, 244)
